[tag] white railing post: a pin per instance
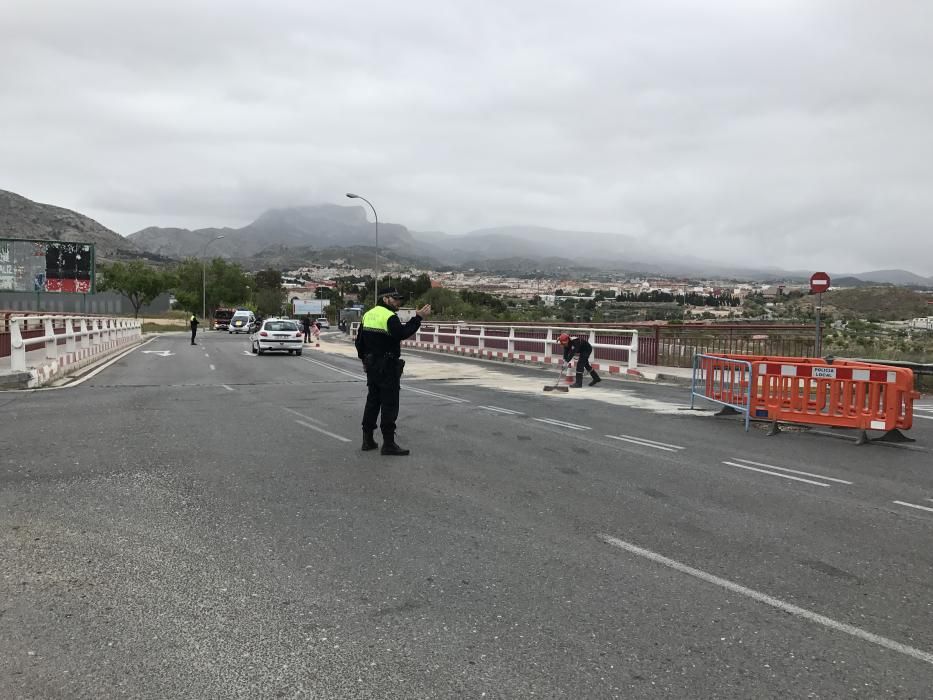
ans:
(436, 341)
(17, 347)
(457, 335)
(482, 338)
(51, 340)
(96, 332)
(83, 333)
(511, 339)
(548, 342)
(69, 334)
(633, 352)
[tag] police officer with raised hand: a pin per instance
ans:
(378, 345)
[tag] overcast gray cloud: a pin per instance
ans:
(779, 132)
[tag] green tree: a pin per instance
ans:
(136, 281)
(227, 284)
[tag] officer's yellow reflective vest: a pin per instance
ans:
(377, 319)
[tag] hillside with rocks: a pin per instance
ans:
(22, 218)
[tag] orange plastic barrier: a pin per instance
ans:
(841, 393)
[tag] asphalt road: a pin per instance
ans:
(198, 522)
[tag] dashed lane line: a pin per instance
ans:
(302, 415)
(213, 368)
(506, 411)
(783, 476)
(228, 388)
(771, 601)
(435, 395)
(914, 505)
(646, 443)
(793, 471)
(562, 424)
(322, 431)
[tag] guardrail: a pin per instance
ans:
(79, 334)
(611, 346)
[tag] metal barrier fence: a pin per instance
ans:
(725, 381)
(76, 333)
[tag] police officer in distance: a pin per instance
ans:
(378, 345)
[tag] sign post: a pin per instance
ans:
(819, 283)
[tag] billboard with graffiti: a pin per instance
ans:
(46, 266)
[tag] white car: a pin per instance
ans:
(323, 323)
(278, 334)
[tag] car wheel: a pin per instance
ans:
(253, 348)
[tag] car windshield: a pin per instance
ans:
(281, 326)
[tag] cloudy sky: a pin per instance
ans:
(782, 132)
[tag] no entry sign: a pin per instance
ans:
(819, 283)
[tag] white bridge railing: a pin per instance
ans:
(611, 346)
(82, 335)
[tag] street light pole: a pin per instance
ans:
(376, 275)
(204, 277)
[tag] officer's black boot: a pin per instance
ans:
(369, 443)
(390, 448)
(596, 379)
(578, 384)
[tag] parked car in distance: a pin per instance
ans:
(242, 322)
(277, 334)
(322, 323)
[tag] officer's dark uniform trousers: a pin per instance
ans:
(383, 385)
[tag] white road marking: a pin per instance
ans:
(562, 424)
(160, 353)
(302, 415)
(641, 444)
(926, 417)
(334, 368)
(213, 368)
(503, 410)
(321, 430)
(228, 388)
(435, 395)
(912, 505)
(777, 603)
(654, 442)
(783, 476)
(206, 355)
(792, 471)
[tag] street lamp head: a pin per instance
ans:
(352, 196)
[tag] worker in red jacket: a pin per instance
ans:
(578, 346)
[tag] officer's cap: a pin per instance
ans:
(390, 292)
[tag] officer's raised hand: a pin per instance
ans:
(424, 311)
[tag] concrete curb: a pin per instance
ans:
(14, 380)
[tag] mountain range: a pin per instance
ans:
(287, 237)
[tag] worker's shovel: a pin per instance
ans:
(557, 386)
